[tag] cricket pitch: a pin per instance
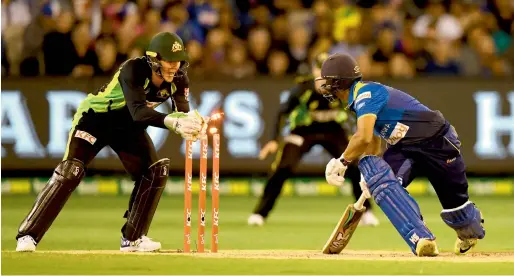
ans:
(314, 255)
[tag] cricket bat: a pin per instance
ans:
(346, 226)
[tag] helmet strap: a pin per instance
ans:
(154, 64)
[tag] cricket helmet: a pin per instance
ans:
(167, 46)
(339, 71)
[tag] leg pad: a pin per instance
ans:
(149, 191)
(401, 209)
(51, 199)
(466, 220)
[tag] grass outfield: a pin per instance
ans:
(85, 237)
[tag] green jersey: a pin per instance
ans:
(131, 88)
(308, 111)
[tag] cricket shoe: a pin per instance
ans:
(26, 244)
(143, 244)
(369, 219)
(256, 220)
(463, 246)
(426, 248)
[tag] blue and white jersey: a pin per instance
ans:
(400, 117)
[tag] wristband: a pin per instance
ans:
(344, 161)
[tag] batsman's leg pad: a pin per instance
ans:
(51, 199)
(466, 220)
(401, 209)
(149, 191)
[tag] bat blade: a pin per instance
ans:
(344, 230)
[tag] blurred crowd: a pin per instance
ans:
(389, 38)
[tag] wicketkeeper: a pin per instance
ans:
(312, 121)
(419, 141)
(117, 116)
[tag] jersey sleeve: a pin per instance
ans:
(370, 101)
(132, 80)
(181, 96)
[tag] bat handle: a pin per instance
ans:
(360, 202)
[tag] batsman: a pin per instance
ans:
(420, 141)
(312, 121)
(117, 115)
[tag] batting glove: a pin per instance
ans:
(334, 172)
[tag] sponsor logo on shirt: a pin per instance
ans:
(399, 131)
(359, 106)
(365, 95)
(384, 130)
(86, 136)
(186, 93)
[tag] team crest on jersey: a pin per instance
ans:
(153, 104)
(163, 93)
(176, 47)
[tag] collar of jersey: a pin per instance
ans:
(354, 90)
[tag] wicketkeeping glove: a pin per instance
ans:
(189, 125)
(334, 172)
(205, 122)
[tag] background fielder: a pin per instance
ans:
(312, 121)
(419, 140)
(117, 116)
